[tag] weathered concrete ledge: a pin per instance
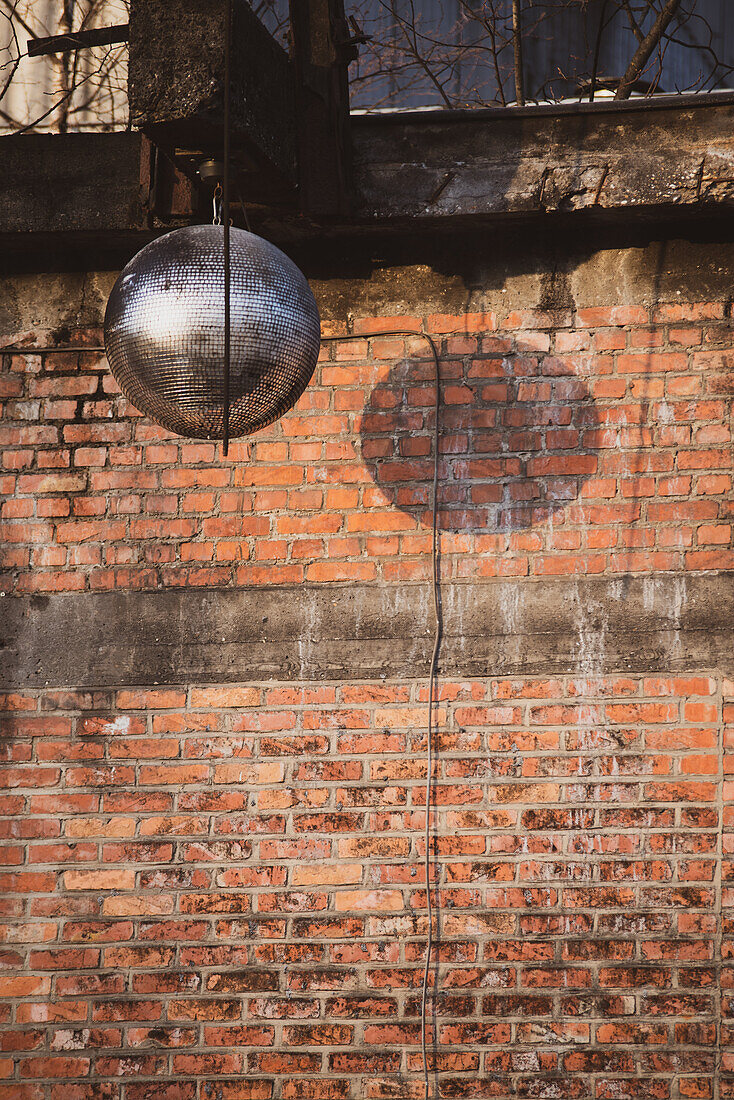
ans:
(71, 183)
(563, 626)
(594, 157)
(671, 156)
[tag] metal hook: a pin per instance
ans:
(217, 205)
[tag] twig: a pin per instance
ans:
(55, 106)
(489, 23)
(597, 50)
(634, 26)
(16, 61)
(408, 28)
(11, 6)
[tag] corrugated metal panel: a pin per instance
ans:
(559, 47)
(556, 46)
(454, 49)
(683, 65)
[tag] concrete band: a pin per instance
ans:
(560, 626)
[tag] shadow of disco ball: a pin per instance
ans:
(164, 332)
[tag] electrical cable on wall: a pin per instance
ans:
(433, 671)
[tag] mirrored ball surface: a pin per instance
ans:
(164, 332)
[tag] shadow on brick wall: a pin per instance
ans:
(517, 445)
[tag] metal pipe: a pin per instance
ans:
(225, 216)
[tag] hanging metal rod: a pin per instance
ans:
(78, 40)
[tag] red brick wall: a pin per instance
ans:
(223, 888)
(216, 892)
(574, 442)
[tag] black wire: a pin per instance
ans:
(244, 210)
(438, 634)
(225, 216)
(436, 585)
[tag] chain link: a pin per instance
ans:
(217, 205)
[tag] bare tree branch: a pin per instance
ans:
(67, 95)
(88, 90)
(491, 27)
(408, 28)
(517, 47)
(645, 49)
(597, 50)
(446, 53)
(11, 7)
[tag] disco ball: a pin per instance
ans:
(164, 332)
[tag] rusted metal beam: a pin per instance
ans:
(78, 40)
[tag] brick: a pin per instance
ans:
(99, 880)
(135, 906)
(467, 322)
(600, 316)
(54, 1067)
(225, 697)
(349, 900)
(157, 699)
